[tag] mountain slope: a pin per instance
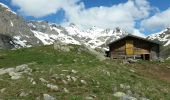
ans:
(16, 27)
(93, 37)
(163, 37)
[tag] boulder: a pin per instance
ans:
(53, 87)
(48, 97)
(61, 46)
(119, 94)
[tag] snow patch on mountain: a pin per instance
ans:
(48, 39)
(18, 42)
(163, 37)
(11, 23)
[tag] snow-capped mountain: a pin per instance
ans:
(93, 37)
(163, 37)
(16, 32)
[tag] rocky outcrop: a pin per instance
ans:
(16, 28)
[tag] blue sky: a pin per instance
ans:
(137, 16)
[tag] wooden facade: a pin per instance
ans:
(133, 46)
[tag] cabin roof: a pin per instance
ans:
(130, 35)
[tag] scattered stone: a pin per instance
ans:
(48, 97)
(23, 94)
(53, 87)
(143, 98)
(65, 82)
(130, 60)
(83, 82)
(126, 97)
(43, 80)
(119, 94)
(74, 79)
(68, 78)
(33, 83)
(65, 90)
(73, 71)
(88, 98)
(17, 72)
(3, 90)
(129, 92)
(14, 75)
(55, 76)
(4, 71)
(124, 86)
(61, 46)
(23, 68)
(65, 70)
(108, 73)
(132, 70)
(168, 67)
(161, 60)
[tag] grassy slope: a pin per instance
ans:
(47, 62)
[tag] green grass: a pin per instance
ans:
(47, 62)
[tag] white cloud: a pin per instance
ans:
(159, 20)
(37, 8)
(122, 15)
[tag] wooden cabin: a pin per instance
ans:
(131, 46)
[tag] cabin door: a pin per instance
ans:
(129, 47)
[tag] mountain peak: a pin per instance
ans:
(7, 8)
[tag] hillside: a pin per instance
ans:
(163, 38)
(42, 72)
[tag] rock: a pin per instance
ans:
(17, 72)
(88, 98)
(132, 70)
(68, 78)
(21, 68)
(65, 70)
(74, 79)
(3, 90)
(124, 86)
(161, 60)
(65, 90)
(33, 83)
(48, 97)
(61, 46)
(2, 71)
(65, 82)
(8, 70)
(43, 80)
(14, 76)
(130, 60)
(73, 71)
(126, 97)
(55, 76)
(83, 82)
(119, 94)
(129, 92)
(23, 94)
(143, 98)
(53, 87)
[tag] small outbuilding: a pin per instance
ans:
(131, 46)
